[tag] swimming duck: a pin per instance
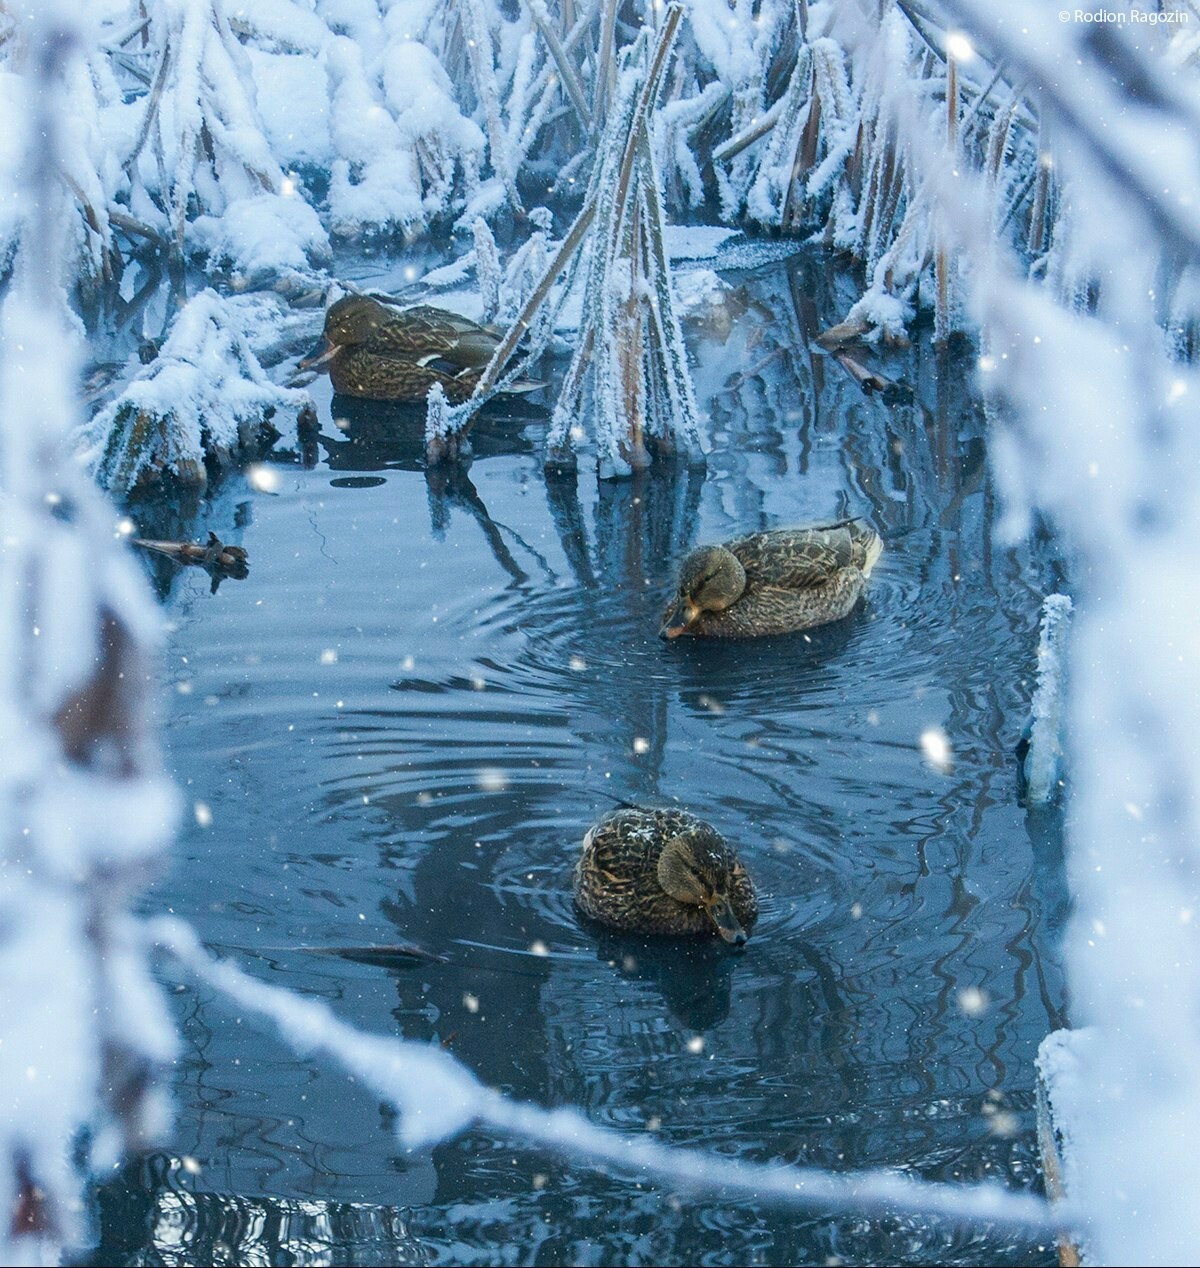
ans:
(772, 583)
(398, 354)
(664, 872)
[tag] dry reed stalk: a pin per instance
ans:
(1017, 200)
(755, 132)
(856, 162)
(806, 157)
(1041, 195)
(980, 101)
(998, 136)
(666, 356)
(563, 459)
(893, 175)
(630, 357)
(871, 381)
(869, 200)
(152, 103)
(602, 88)
(524, 319)
(569, 42)
(566, 72)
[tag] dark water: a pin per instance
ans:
(403, 723)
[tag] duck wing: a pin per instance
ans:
(795, 559)
(424, 331)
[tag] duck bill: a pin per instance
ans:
(318, 355)
(727, 923)
(679, 620)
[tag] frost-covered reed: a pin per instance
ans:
(629, 351)
(1043, 763)
(245, 139)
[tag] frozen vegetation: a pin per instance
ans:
(246, 139)
(1044, 760)
(203, 399)
(1028, 181)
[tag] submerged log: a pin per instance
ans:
(213, 555)
(871, 381)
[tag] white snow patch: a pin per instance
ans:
(696, 242)
(263, 235)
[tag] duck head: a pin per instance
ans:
(696, 868)
(351, 320)
(710, 580)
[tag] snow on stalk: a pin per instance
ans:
(478, 34)
(611, 335)
(487, 268)
(1043, 763)
(629, 332)
(673, 413)
(523, 272)
(942, 263)
(84, 806)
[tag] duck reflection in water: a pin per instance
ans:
(695, 979)
(373, 436)
(713, 675)
(379, 435)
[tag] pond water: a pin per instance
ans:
(400, 726)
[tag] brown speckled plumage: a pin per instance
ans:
(392, 354)
(793, 579)
(617, 876)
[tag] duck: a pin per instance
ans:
(774, 582)
(664, 872)
(381, 353)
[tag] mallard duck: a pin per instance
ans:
(664, 872)
(772, 583)
(398, 354)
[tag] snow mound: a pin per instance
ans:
(204, 401)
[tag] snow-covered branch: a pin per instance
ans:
(436, 1098)
(85, 808)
